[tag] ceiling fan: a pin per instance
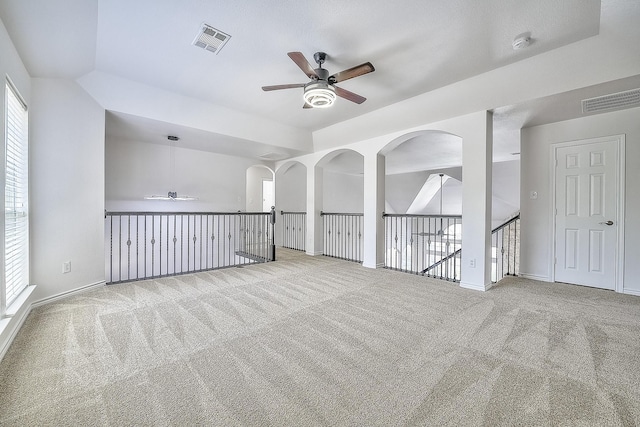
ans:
(321, 91)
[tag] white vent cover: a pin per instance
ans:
(628, 99)
(210, 39)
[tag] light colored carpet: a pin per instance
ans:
(318, 341)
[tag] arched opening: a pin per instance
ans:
(343, 181)
(418, 196)
(260, 190)
(343, 204)
(291, 204)
(423, 203)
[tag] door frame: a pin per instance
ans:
(273, 193)
(620, 186)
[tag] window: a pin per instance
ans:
(16, 225)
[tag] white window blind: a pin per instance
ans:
(16, 228)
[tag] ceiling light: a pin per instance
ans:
(172, 195)
(319, 94)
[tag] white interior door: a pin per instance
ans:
(267, 195)
(586, 187)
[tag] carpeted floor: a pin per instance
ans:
(316, 341)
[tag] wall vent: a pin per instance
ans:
(210, 39)
(615, 101)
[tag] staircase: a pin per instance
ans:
(431, 245)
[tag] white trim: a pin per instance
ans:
(632, 292)
(621, 211)
(311, 253)
(535, 277)
(12, 324)
(22, 311)
(14, 88)
(620, 217)
(67, 294)
(475, 287)
(374, 266)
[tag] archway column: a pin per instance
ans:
(374, 197)
(314, 243)
(477, 157)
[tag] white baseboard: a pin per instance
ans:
(67, 294)
(475, 287)
(377, 265)
(314, 253)
(631, 292)
(534, 277)
(10, 325)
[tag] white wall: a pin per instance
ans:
(342, 192)
(401, 190)
(291, 188)
(291, 193)
(536, 175)
(506, 191)
(136, 169)
(67, 187)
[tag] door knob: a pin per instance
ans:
(607, 222)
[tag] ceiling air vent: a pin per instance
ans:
(210, 39)
(615, 101)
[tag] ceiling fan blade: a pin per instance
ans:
(278, 87)
(353, 97)
(356, 71)
(302, 62)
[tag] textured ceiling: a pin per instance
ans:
(415, 45)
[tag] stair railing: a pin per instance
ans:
(294, 230)
(505, 249)
(343, 235)
(145, 245)
(428, 245)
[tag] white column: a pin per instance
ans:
(373, 239)
(477, 148)
(314, 207)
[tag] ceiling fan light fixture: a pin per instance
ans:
(319, 94)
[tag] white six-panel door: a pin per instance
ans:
(586, 217)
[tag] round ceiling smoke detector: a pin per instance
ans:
(521, 41)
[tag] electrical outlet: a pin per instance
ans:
(472, 263)
(66, 267)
